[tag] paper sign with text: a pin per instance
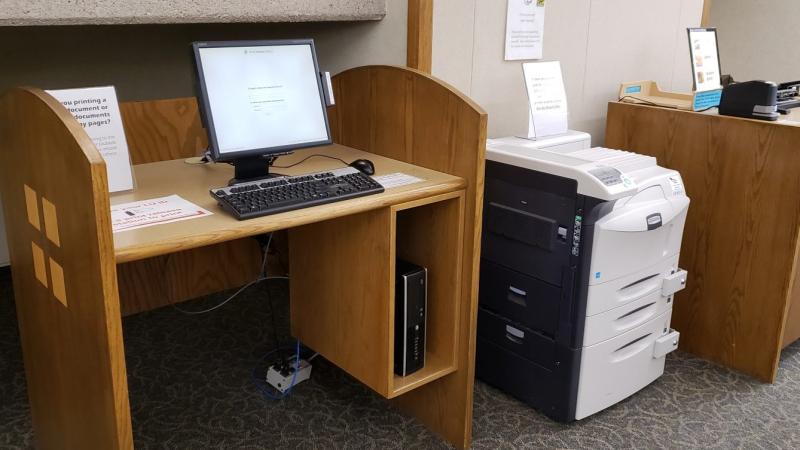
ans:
(524, 29)
(97, 110)
(547, 99)
(154, 211)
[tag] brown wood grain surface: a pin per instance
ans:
(407, 115)
(160, 130)
(192, 182)
(791, 331)
(340, 292)
(419, 40)
(69, 319)
(429, 233)
(163, 280)
(741, 230)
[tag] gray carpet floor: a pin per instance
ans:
(191, 381)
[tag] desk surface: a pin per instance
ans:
(192, 182)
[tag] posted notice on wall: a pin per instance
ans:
(154, 211)
(97, 110)
(524, 29)
(547, 99)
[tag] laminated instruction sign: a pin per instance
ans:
(547, 99)
(97, 110)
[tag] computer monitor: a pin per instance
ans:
(260, 99)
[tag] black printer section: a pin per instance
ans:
(535, 259)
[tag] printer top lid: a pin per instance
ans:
(602, 173)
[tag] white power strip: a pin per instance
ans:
(282, 379)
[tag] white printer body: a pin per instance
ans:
(578, 270)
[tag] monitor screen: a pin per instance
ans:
(705, 59)
(260, 97)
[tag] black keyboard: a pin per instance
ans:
(277, 195)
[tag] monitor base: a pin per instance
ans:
(253, 168)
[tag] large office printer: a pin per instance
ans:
(579, 265)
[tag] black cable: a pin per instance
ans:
(281, 359)
(311, 156)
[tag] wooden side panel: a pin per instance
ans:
(407, 115)
(70, 327)
(342, 292)
(791, 331)
(160, 130)
(705, 19)
(163, 280)
(420, 35)
(741, 231)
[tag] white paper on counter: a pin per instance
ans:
(396, 179)
(154, 211)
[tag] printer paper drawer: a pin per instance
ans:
(526, 300)
(612, 323)
(629, 288)
(617, 368)
(516, 338)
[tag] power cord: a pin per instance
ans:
(311, 156)
(262, 276)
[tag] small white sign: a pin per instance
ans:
(524, 29)
(396, 179)
(705, 59)
(97, 110)
(547, 99)
(155, 211)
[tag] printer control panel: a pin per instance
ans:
(609, 176)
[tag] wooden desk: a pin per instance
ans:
(740, 245)
(66, 261)
(192, 182)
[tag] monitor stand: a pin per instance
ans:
(253, 168)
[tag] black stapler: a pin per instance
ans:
(751, 99)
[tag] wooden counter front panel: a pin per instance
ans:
(741, 230)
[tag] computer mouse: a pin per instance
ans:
(365, 166)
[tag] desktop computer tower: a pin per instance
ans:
(410, 300)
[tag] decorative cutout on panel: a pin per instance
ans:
(32, 205)
(50, 221)
(39, 264)
(57, 277)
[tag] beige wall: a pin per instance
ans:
(153, 61)
(758, 39)
(600, 44)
